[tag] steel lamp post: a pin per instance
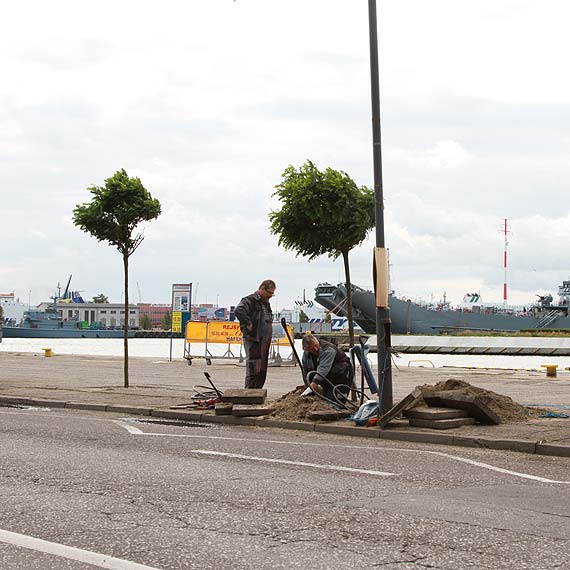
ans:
(383, 336)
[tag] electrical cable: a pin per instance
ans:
(204, 393)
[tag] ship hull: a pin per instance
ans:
(17, 332)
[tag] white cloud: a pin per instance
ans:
(208, 102)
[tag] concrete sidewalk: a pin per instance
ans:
(89, 382)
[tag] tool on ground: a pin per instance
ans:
(292, 344)
(197, 404)
(209, 379)
(203, 398)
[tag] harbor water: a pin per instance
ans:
(159, 348)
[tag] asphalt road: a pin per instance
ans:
(82, 491)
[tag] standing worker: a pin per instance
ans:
(256, 322)
(332, 366)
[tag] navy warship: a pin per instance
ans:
(410, 317)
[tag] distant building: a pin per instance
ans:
(108, 314)
(205, 312)
(155, 312)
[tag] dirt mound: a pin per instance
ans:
(294, 407)
(506, 408)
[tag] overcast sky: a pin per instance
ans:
(209, 101)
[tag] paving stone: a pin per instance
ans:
(243, 396)
(426, 413)
(474, 406)
(402, 405)
(441, 424)
(223, 409)
(241, 410)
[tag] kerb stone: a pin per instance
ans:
(242, 410)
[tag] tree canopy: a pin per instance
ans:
(323, 213)
(165, 322)
(145, 322)
(115, 211)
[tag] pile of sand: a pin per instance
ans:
(294, 407)
(506, 408)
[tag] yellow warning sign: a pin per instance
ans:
(176, 321)
(213, 332)
(224, 332)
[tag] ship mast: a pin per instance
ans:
(505, 230)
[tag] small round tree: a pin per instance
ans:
(323, 213)
(112, 216)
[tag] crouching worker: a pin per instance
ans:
(332, 366)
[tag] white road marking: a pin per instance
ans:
(309, 444)
(135, 431)
(129, 427)
(497, 469)
(298, 463)
(84, 556)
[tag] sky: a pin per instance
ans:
(208, 102)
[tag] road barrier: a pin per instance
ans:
(228, 333)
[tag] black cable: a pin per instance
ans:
(205, 393)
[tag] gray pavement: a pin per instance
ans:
(157, 384)
(207, 496)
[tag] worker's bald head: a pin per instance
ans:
(311, 343)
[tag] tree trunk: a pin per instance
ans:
(126, 321)
(348, 298)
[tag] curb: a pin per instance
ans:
(484, 442)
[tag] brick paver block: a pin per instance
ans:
(241, 410)
(243, 396)
(441, 424)
(425, 413)
(473, 405)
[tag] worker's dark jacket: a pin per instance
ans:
(331, 362)
(251, 310)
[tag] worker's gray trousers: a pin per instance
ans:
(256, 359)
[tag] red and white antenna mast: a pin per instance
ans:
(506, 231)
